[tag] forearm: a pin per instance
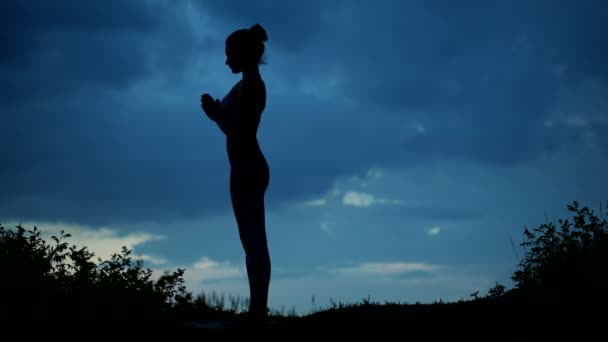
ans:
(221, 121)
(223, 126)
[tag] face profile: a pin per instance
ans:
(233, 58)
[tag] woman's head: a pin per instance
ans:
(245, 47)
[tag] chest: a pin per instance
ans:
(230, 104)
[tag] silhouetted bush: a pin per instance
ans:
(46, 283)
(566, 265)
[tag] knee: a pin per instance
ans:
(257, 251)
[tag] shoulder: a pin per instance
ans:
(255, 87)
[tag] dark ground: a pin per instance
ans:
(465, 319)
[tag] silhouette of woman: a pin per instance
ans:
(238, 116)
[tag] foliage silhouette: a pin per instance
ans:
(46, 283)
(566, 264)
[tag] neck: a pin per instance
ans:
(253, 72)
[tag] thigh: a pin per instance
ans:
(250, 217)
(247, 195)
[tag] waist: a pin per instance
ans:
(244, 151)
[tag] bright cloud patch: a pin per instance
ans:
(103, 242)
(386, 268)
(362, 200)
(152, 259)
(434, 231)
(358, 199)
(207, 269)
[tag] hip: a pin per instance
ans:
(249, 175)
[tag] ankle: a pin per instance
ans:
(258, 315)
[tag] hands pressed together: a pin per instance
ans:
(210, 106)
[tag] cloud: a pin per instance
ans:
(316, 202)
(358, 191)
(434, 231)
(358, 199)
(207, 274)
(52, 52)
(206, 269)
(291, 25)
(579, 118)
(455, 68)
(85, 141)
(94, 147)
(364, 200)
(103, 241)
(386, 269)
(154, 260)
(375, 174)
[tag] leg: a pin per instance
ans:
(248, 206)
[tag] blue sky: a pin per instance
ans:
(407, 140)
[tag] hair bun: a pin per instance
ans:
(259, 32)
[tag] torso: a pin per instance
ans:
(242, 146)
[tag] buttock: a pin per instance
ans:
(250, 178)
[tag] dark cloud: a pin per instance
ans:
(57, 34)
(77, 160)
(290, 25)
(480, 77)
(54, 47)
(74, 145)
(32, 16)
(575, 34)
